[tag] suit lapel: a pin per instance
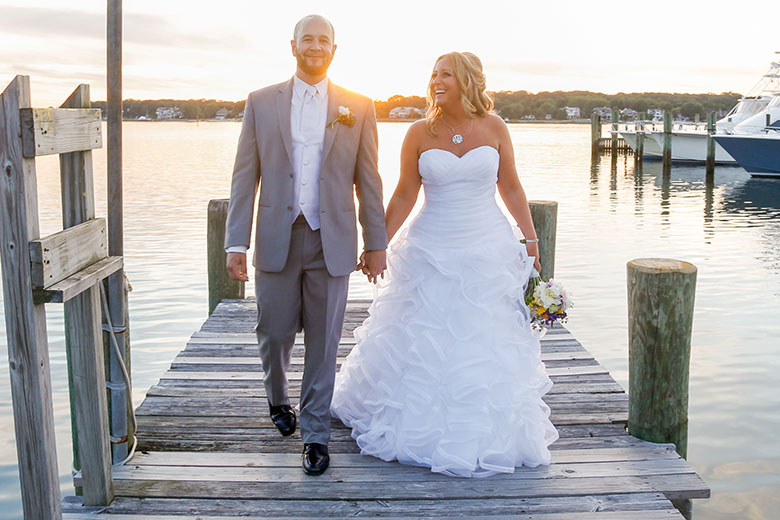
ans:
(334, 100)
(283, 104)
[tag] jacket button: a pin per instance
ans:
(289, 208)
(291, 175)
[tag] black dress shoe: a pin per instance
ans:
(315, 458)
(283, 417)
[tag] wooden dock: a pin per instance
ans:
(208, 450)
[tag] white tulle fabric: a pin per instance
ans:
(446, 372)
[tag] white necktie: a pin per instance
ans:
(308, 111)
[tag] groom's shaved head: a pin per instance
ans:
(301, 25)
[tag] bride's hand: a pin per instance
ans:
(533, 250)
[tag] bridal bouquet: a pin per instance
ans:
(547, 301)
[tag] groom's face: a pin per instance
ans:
(313, 47)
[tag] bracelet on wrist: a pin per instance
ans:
(529, 241)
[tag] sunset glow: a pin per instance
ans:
(189, 49)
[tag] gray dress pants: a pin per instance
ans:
(302, 296)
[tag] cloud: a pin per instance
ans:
(138, 28)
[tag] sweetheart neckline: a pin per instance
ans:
(458, 156)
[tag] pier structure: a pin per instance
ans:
(207, 448)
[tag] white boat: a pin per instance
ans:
(691, 147)
(766, 120)
(747, 116)
(649, 146)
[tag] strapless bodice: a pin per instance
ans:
(460, 195)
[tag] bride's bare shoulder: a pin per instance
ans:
(417, 132)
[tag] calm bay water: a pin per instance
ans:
(609, 213)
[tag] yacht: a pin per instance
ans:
(690, 146)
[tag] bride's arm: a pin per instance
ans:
(405, 194)
(512, 192)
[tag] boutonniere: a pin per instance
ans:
(345, 118)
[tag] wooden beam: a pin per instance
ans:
(83, 331)
(76, 284)
(28, 351)
(67, 252)
(46, 131)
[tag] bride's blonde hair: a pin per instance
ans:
(467, 69)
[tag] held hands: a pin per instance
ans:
(373, 264)
(236, 266)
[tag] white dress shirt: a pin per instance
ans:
(308, 114)
(309, 109)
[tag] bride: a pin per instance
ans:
(446, 372)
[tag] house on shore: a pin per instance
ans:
(406, 113)
(222, 114)
(168, 113)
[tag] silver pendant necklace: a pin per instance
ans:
(458, 138)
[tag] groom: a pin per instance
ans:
(305, 143)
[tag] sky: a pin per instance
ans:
(185, 49)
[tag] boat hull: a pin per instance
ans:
(758, 154)
(651, 149)
(691, 147)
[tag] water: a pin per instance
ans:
(608, 214)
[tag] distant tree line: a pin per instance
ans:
(518, 104)
(190, 108)
(509, 104)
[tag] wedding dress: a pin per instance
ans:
(446, 371)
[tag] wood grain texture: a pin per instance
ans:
(47, 131)
(221, 286)
(660, 319)
(83, 332)
(81, 281)
(60, 255)
(28, 356)
(208, 447)
(545, 217)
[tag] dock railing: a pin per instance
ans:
(66, 267)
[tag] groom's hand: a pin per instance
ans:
(373, 264)
(236, 266)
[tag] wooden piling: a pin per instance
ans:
(660, 316)
(595, 133)
(116, 294)
(667, 153)
(83, 335)
(615, 124)
(221, 286)
(710, 163)
(545, 216)
(640, 140)
(25, 320)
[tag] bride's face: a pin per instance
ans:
(444, 86)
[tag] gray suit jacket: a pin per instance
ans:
(263, 159)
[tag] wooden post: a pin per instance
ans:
(116, 294)
(595, 133)
(221, 286)
(615, 125)
(660, 316)
(667, 157)
(640, 140)
(84, 337)
(545, 216)
(28, 350)
(710, 166)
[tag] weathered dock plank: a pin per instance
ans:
(208, 450)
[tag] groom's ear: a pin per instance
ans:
(293, 48)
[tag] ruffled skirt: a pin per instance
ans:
(446, 372)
